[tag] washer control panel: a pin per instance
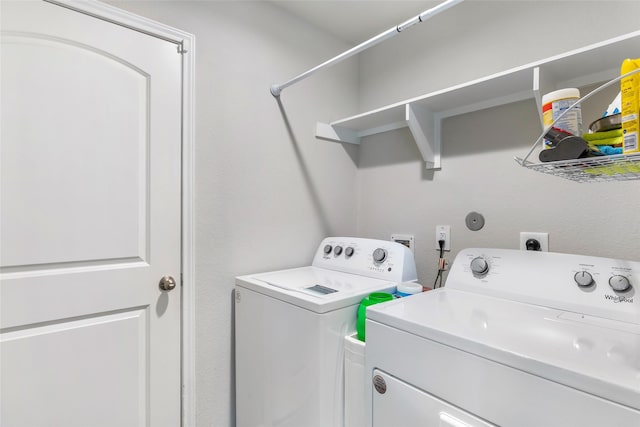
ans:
(597, 286)
(367, 257)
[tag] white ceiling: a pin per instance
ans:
(355, 21)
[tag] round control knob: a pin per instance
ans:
(379, 255)
(327, 249)
(583, 279)
(337, 250)
(348, 252)
(619, 283)
(479, 266)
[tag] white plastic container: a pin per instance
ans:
(405, 289)
(554, 104)
(355, 403)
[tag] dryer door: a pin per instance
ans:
(396, 403)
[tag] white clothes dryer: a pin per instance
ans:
(290, 327)
(515, 338)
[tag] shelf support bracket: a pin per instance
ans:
(422, 125)
(541, 84)
(336, 133)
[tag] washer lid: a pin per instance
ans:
(593, 354)
(314, 288)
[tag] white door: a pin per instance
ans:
(90, 221)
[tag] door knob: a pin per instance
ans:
(167, 283)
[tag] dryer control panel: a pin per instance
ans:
(380, 259)
(596, 286)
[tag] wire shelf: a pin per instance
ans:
(622, 167)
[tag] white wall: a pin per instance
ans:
(266, 194)
(475, 39)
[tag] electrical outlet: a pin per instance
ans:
(443, 232)
(542, 238)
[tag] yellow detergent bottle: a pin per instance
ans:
(630, 89)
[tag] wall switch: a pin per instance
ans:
(404, 239)
(443, 232)
(541, 238)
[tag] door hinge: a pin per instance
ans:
(181, 49)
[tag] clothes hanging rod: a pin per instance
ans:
(276, 89)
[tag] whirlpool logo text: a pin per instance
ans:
(617, 299)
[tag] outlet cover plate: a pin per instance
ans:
(543, 238)
(444, 231)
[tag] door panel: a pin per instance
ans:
(67, 365)
(401, 404)
(90, 155)
(82, 178)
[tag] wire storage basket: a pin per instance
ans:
(619, 167)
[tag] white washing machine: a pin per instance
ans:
(516, 338)
(290, 327)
